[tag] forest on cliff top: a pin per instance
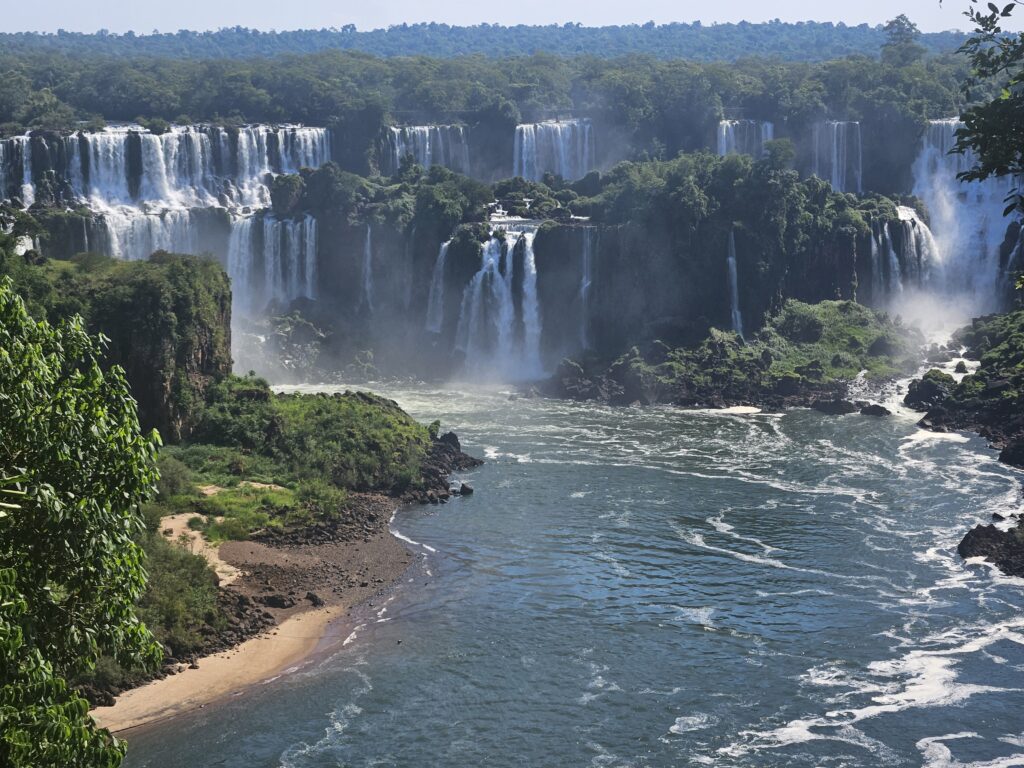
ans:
(802, 41)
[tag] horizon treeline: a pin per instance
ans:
(792, 41)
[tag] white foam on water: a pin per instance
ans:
(689, 723)
(927, 436)
(352, 636)
(338, 722)
(700, 616)
(407, 540)
(936, 754)
(733, 410)
(923, 678)
(619, 569)
(695, 539)
(719, 524)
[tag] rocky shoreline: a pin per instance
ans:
(328, 565)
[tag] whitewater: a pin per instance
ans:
(657, 587)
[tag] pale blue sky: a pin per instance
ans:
(147, 15)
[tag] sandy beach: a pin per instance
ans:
(222, 674)
(304, 586)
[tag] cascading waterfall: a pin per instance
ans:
(289, 258)
(28, 189)
(586, 279)
(895, 273)
(366, 297)
(564, 148)
(498, 341)
(904, 256)
(150, 191)
(129, 234)
(967, 218)
(921, 256)
(734, 287)
(240, 265)
(837, 154)
(744, 137)
(186, 166)
(272, 260)
(532, 329)
(435, 301)
(877, 279)
(446, 145)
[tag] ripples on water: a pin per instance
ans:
(652, 587)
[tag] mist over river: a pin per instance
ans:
(657, 587)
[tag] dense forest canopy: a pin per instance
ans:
(803, 41)
(656, 105)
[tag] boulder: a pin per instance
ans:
(961, 367)
(788, 384)
(450, 438)
(874, 409)
(929, 391)
(1013, 453)
(834, 407)
(1005, 549)
(315, 599)
(466, 489)
(276, 601)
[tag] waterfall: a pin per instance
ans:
(28, 188)
(532, 330)
(564, 148)
(734, 287)
(435, 302)
(744, 137)
(877, 278)
(837, 154)
(186, 166)
(286, 249)
(240, 264)
(366, 299)
(895, 276)
(289, 258)
(446, 145)
(131, 234)
(498, 341)
(904, 255)
(586, 278)
(921, 256)
(967, 218)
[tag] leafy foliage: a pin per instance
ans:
(803, 350)
(994, 127)
(77, 468)
(166, 320)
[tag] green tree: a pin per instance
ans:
(74, 469)
(994, 128)
(902, 47)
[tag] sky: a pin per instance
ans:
(145, 16)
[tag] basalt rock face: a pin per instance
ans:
(170, 329)
(1004, 549)
(990, 400)
(444, 457)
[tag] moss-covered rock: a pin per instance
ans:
(805, 353)
(991, 400)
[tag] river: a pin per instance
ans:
(656, 587)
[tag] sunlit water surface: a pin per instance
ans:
(654, 587)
